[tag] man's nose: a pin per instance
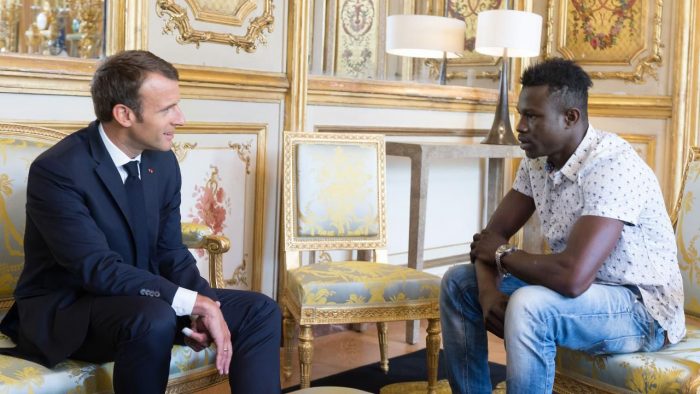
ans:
(180, 116)
(521, 126)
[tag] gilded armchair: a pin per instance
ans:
(675, 368)
(334, 199)
(189, 370)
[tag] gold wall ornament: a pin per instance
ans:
(239, 276)
(607, 33)
(225, 12)
(178, 19)
(243, 151)
(181, 150)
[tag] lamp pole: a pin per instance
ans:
(501, 131)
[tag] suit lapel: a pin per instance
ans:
(107, 172)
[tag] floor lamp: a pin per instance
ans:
(506, 33)
(425, 36)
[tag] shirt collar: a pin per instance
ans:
(572, 166)
(118, 157)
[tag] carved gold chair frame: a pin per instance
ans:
(307, 314)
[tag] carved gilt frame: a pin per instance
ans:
(243, 153)
(642, 68)
(177, 18)
(202, 13)
(295, 242)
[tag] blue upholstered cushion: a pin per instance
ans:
(360, 282)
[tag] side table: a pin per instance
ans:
(421, 154)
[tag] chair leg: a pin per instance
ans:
(433, 351)
(288, 328)
(306, 354)
(383, 347)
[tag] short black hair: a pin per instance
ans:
(565, 79)
(119, 78)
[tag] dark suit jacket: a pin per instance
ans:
(78, 244)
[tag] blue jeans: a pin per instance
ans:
(603, 320)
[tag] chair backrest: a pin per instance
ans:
(334, 191)
(19, 146)
(686, 218)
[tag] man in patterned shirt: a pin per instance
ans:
(611, 283)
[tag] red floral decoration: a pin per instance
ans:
(211, 205)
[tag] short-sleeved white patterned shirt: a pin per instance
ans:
(606, 177)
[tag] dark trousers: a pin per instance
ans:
(138, 333)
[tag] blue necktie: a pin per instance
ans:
(137, 209)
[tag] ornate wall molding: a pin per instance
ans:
(243, 152)
(599, 40)
(403, 131)
(177, 18)
(181, 150)
(329, 91)
(71, 77)
(224, 12)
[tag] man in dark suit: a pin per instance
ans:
(106, 276)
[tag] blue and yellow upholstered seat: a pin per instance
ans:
(189, 370)
(675, 368)
(334, 201)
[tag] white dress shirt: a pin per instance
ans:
(184, 299)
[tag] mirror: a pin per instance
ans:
(62, 28)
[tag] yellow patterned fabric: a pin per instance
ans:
(193, 234)
(687, 237)
(360, 282)
(337, 190)
(15, 157)
(19, 376)
(664, 371)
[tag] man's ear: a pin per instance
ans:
(123, 115)
(572, 116)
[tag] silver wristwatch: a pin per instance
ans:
(503, 251)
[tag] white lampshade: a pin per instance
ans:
(424, 36)
(519, 32)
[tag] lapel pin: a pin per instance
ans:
(151, 171)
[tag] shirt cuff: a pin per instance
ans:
(183, 301)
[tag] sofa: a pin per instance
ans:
(189, 370)
(674, 368)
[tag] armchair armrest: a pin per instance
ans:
(200, 236)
